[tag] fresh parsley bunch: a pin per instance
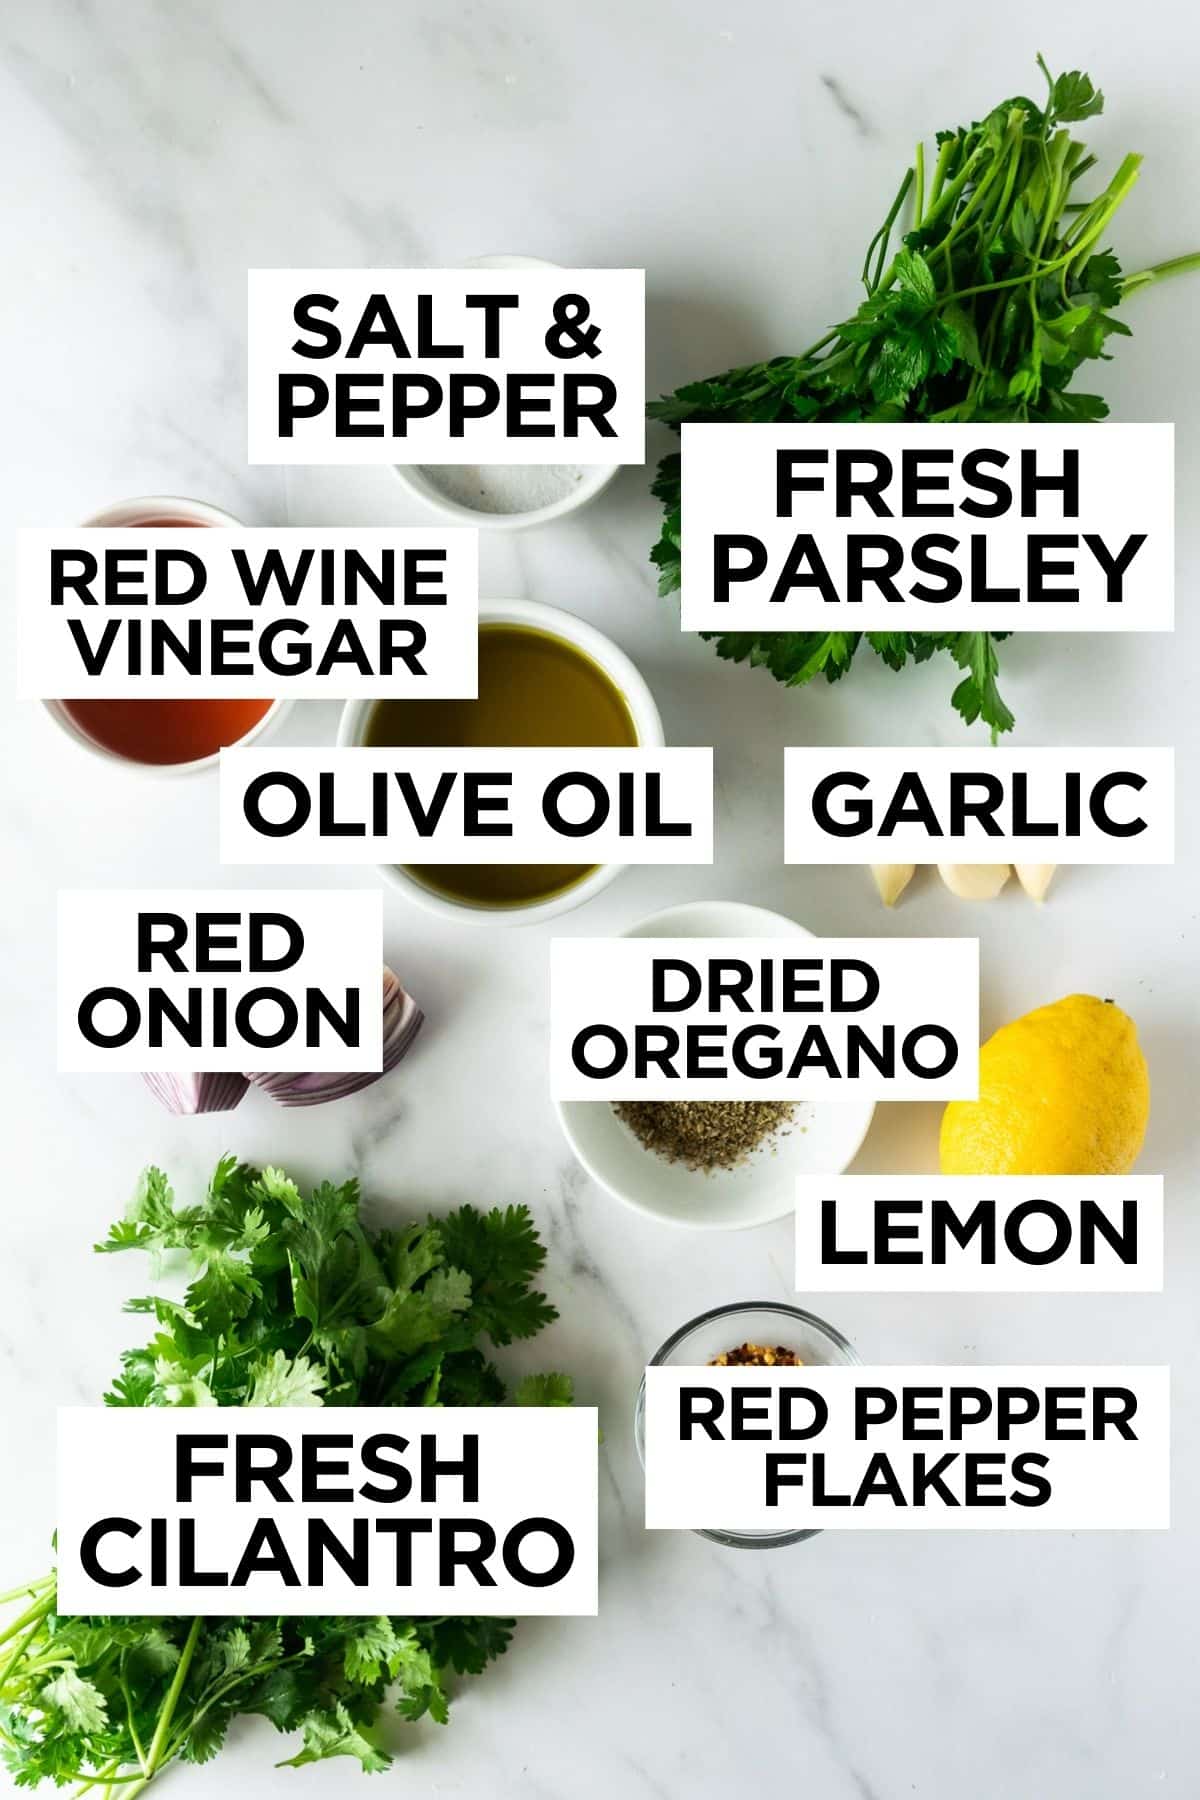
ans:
(997, 295)
(292, 1301)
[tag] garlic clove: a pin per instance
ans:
(974, 881)
(891, 879)
(1035, 878)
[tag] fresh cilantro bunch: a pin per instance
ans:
(999, 292)
(292, 1301)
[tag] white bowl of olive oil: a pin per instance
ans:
(545, 678)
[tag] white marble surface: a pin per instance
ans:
(742, 155)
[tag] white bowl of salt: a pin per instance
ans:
(506, 496)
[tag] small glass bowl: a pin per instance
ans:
(724, 1328)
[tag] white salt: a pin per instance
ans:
(503, 487)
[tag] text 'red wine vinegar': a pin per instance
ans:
(160, 732)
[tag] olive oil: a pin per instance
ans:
(534, 688)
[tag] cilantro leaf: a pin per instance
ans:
(368, 1648)
(334, 1733)
(80, 1704)
(468, 1645)
(206, 1734)
(292, 1301)
(502, 1251)
(544, 1390)
(279, 1380)
(224, 1291)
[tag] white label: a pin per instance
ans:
(175, 1510)
(748, 1018)
(219, 979)
(979, 1234)
(446, 366)
(317, 615)
(920, 1448)
(928, 528)
(525, 805)
(1001, 805)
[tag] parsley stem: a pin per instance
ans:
(975, 201)
(1002, 208)
(815, 349)
(945, 151)
(1035, 274)
(949, 195)
(879, 243)
(1175, 265)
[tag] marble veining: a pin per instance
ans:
(744, 157)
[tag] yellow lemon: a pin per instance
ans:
(1062, 1091)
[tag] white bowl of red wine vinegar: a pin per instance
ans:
(158, 736)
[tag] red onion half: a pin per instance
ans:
(402, 1019)
(185, 1094)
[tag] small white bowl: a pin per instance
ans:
(646, 720)
(151, 510)
(822, 1139)
(594, 480)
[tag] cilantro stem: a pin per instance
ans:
(132, 1723)
(30, 1588)
(38, 1610)
(172, 1700)
(22, 1644)
(107, 1775)
(215, 1695)
(110, 1777)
